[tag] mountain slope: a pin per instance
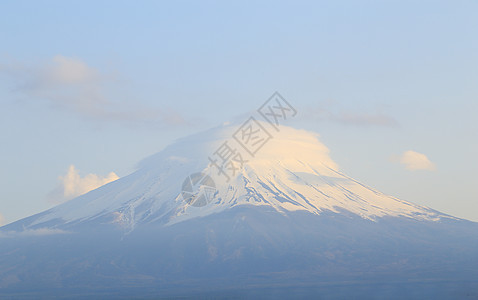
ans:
(291, 172)
(286, 218)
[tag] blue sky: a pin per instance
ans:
(101, 84)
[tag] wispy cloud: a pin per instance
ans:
(73, 185)
(330, 112)
(31, 232)
(71, 84)
(364, 119)
(413, 161)
(2, 220)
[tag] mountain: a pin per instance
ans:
(251, 211)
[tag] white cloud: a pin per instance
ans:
(71, 84)
(416, 161)
(2, 220)
(67, 70)
(73, 185)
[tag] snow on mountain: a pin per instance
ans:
(280, 221)
(291, 172)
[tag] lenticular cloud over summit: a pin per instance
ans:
(228, 209)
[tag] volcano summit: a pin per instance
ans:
(282, 221)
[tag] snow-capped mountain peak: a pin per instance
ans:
(291, 170)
